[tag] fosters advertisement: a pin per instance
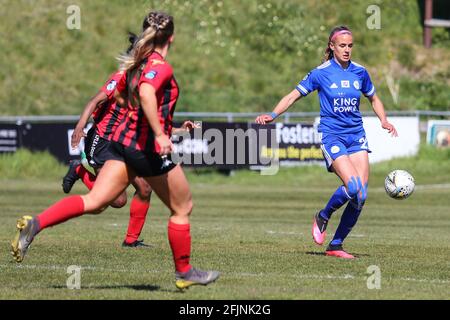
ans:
(295, 143)
(236, 145)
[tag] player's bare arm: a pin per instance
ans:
(186, 127)
(285, 103)
(378, 108)
(147, 96)
(90, 107)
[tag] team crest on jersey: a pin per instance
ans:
(112, 85)
(356, 84)
(345, 84)
(151, 75)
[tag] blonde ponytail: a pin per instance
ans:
(158, 27)
(143, 46)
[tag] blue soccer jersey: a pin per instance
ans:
(339, 95)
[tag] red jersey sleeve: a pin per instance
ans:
(122, 84)
(156, 73)
(110, 86)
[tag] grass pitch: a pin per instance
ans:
(256, 230)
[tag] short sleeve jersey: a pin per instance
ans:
(108, 116)
(339, 95)
(135, 131)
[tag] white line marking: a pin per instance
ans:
(356, 235)
(240, 274)
(91, 268)
(327, 189)
(342, 277)
(419, 187)
(284, 232)
(425, 280)
(433, 186)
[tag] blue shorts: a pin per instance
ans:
(333, 146)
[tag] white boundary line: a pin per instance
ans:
(240, 274)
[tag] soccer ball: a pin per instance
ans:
(399, 184)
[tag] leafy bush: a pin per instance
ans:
(229, 55)
(25, 164)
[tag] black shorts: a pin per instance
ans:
(143, 164)
(96, 149)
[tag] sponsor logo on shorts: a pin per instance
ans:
(93, 146)
(335, 149)
(166, 162)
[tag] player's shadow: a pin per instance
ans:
(312, 253)
(133, 287)
(315, 253)
(137, 288)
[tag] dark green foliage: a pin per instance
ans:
(228, 55)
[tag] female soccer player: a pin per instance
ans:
(340, 83)
(141, 147)
(107, 115)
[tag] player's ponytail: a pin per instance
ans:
(328, 52)
(158, 27)
(132, 39)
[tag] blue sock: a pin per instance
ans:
(337, 200)
(350, 217)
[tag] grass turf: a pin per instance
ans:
(255, 230)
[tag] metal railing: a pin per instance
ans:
(228, 116)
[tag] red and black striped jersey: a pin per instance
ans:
(108, 115)
(135, 130)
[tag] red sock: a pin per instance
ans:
(138, 212)
(87, 177)
(61, 211)
(180, 242)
